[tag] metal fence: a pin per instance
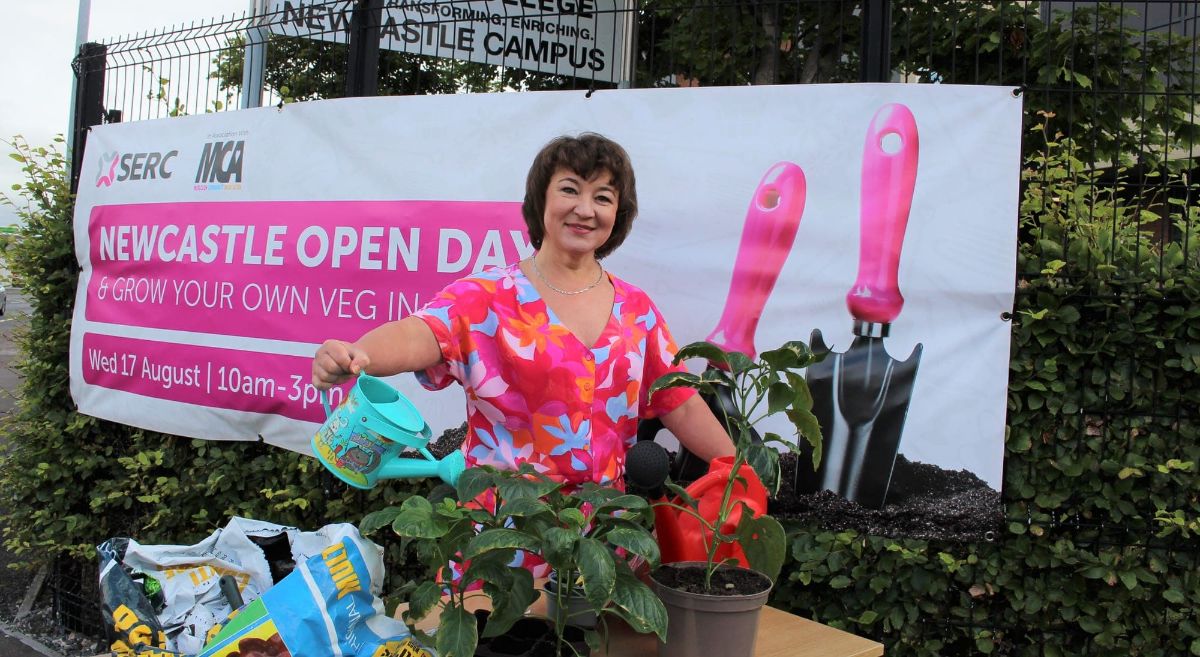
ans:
(1119, 78)
(1116, 82)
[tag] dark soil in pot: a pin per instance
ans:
(924, 502)
(726, 581)
(528, 637)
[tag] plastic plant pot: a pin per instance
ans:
(579, 611)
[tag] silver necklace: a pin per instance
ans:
(537, 271)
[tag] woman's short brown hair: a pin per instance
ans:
(588, 155)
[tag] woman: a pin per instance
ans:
(555, 354)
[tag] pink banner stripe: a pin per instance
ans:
(289, 270)
(205, 376)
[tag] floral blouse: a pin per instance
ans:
(535, 393)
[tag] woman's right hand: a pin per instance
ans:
(337, 361)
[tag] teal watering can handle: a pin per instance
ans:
(325, 403)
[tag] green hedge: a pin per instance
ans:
(1099, 554)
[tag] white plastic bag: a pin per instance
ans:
(192, 604)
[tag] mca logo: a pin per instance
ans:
(220, 166)
(107, 161)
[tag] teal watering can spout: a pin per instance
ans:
(448, 468)
(361, 440)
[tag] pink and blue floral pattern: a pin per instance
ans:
(535, 393)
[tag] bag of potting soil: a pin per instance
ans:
(164, 601)
(325, 607)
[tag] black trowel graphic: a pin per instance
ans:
(861, 397)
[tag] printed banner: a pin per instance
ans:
(218, 251)
(576, 38)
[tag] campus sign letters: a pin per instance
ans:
(580, 38)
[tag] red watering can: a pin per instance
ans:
(681, 537)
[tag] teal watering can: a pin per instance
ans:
(362, 438)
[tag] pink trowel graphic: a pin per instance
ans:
(767, 237)
(861, 397)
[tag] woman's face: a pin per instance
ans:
(579, 213)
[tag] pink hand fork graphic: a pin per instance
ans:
(861, 397)
(767, 237)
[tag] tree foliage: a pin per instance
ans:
(752, 42)
(1124, 95)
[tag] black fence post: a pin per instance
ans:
(876, 64)
(89, 68)
(362, 74)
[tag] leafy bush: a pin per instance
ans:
(1099, 554)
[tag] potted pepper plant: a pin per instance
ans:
(713, 605)
(510, 513)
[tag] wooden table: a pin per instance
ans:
(780, 634)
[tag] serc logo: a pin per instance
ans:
(150, 165)
(107, 161)
(220, 166)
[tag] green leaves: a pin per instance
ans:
(456, 635)
(597, 570)
(497, 539)
(576, 533)
(416, 519)
(677, 380)
(472, 482)
(762, 539)
(635, 541)
(558, 546)
(623, 502)
(512, 488)
(765, 461)
(706, 350)
(376, 519)
(511, 596)
(638, 605)
(808, 427)
(792, 355)
(779, 397)
(423, 599)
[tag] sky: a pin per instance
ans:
(37, 43)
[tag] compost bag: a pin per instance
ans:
(305, 594)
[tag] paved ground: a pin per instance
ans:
(16, 639)
(16, 311)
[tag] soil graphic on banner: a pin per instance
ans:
(924, 502)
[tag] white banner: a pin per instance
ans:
(577, 38)
(219, 250)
